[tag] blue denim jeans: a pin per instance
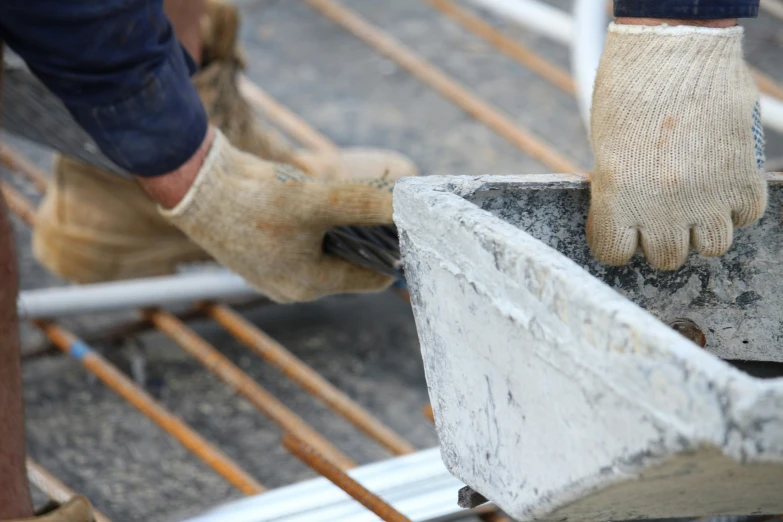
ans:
(687, 9)
(119, 69)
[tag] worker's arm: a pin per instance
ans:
(120, 71)
(676, 132)
(689, 10)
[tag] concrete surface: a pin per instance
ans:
(367, 345)
(557, 397)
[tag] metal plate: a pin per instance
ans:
(558, 397)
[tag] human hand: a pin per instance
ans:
(678, 143)
(267, 221)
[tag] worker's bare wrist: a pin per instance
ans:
(169, 189)
(719, 23)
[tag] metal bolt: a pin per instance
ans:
(690, 330)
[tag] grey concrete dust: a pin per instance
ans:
(367, 345)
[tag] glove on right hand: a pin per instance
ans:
(678, 144)
(267, 221)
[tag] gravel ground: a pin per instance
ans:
(366, 345)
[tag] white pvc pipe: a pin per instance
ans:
(417, 485)
(772, 113)
(537, 16)
(590, 22)
(135, 293)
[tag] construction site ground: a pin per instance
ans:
(366, 345)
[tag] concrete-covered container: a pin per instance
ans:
(559, 392)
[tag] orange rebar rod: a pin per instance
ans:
(284, 118)
(445, 85)
(428, 413)
(299, 372)
(515, 50)
(288, 121)
(223, 368)
(402, 293)
(18, 204)
(132, 393)
(342, 480)
(54, 488)
(16, 162)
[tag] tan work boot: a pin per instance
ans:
(95, 226)
(77, 509)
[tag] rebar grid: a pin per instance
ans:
(318, 462)
(130, 391)
(219, 365)
(310, 380)
(208, 356)
(299, 438)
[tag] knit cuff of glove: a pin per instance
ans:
(218, 143)
(675, 30)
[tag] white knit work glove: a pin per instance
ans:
(678, 142)
(266, 222)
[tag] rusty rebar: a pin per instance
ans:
(130, 328)
(54, 488)
(428, 413)
(18, 163)
(310, 380)
(508, 46)
(284, 118)
(445, 85)
(402, 293)
(17, 203)
(291, 123)
(228, 372)
(136, 396)
(125, 387)
(342, 480)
